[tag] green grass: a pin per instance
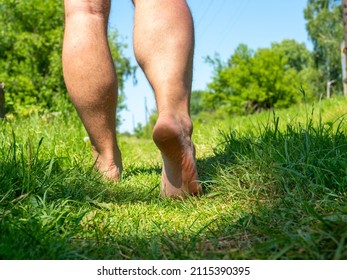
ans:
(275, 188)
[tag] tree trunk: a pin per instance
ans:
(344, 56)
(2, 100)
(344, 67)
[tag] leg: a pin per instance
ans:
(91, 78)
(163, 45)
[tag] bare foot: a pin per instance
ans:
(110, 167)
(179, 175)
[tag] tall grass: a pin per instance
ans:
(275, 188)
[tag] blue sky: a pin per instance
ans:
(220, 26)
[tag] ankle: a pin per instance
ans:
(180, 124)
(108, 161)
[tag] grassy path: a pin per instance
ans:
(275, 189)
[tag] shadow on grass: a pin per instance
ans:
(296, 178)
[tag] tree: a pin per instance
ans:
(145, 131)
(325, 28)
(30, 55)
(298, 56)
(197, 102)
(301, 59)
(253, 81)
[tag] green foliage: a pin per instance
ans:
(145, 131)
(196, 102)
(298, 56)
(254, 81)
(325, 29)
(31, 35)
(30, 53)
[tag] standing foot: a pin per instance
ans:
(110, 167)
(172, 135)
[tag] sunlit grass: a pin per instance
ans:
(275, 188)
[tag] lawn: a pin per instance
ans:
(275, 187)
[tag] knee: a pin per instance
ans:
(100, 8)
